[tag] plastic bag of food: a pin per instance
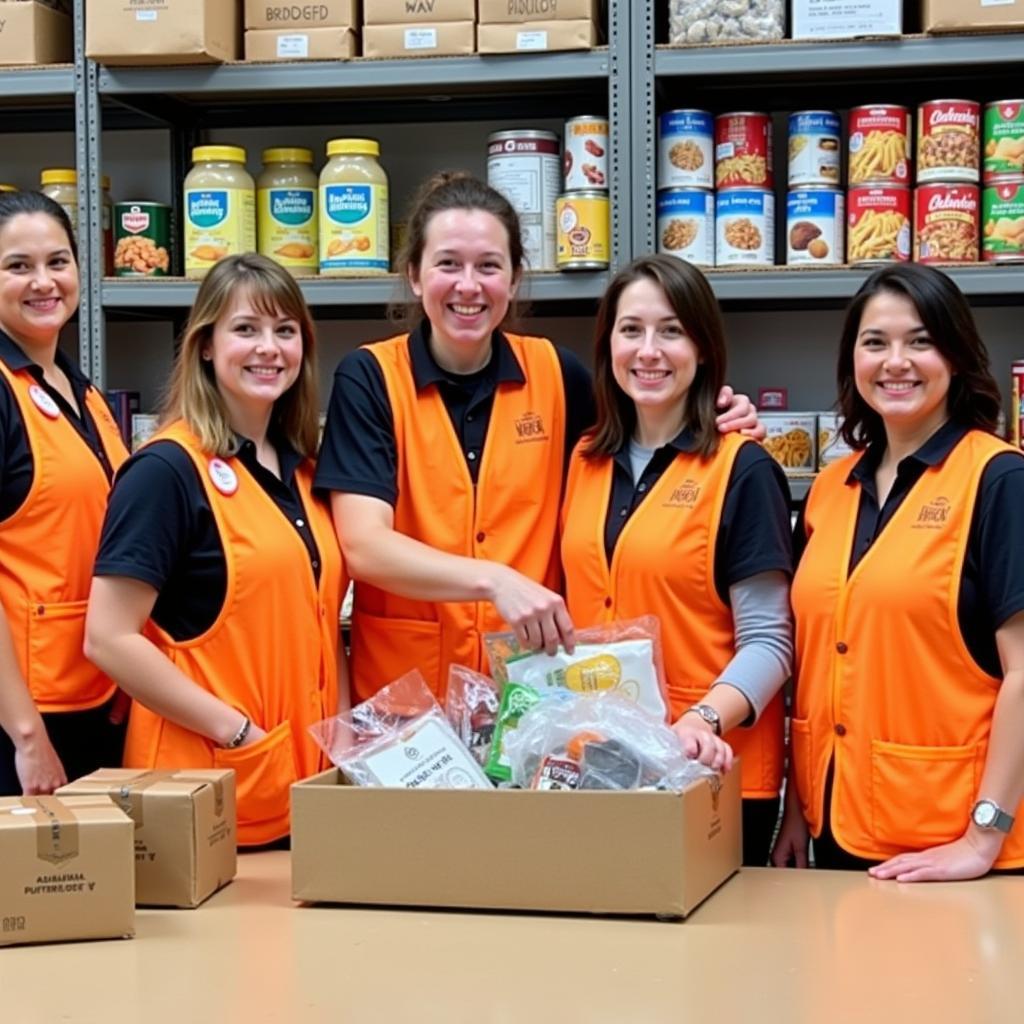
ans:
(399, 738)
(718, 21)
(622, 656)
(471, 704)
(515, 701)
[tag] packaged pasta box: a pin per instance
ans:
(831, 446)
(792, 440)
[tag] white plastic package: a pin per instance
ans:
(691, 22)
(471, 704)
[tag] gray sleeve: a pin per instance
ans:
(763, 629)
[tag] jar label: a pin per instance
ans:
(348, 204)
(287, 226)
(218, 223)
(208, 209)
(354, 229)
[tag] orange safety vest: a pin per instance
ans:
(48, 546)
(272, 652)
(511, 516)
(664, 564)
(886, 689)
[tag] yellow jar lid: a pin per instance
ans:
(58, 176)
(8, 188)
(353, 147)
(288, 155)
(231, 154)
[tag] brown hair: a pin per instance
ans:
(192, 394)
(694, 303)
(973, 399)
(14, 203)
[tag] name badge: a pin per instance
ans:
(43, 402)
(223, 476)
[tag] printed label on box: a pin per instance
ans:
(531, 40)
(998, 3)
(293, 46)
(421, 38)
(145, 15)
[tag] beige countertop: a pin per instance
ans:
(769, 946)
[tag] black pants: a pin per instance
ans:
(760, 818)
(83, 740)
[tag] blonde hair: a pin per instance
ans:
(192, 394)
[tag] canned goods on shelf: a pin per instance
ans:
(814, 148)
(946, 223)
(585, 154)
(1003, 140)
(815, 221)
(745, 228)
(1002, 216)
(879, 145)
(583, 231)
(878, 226)
(743, 150)
(142, 239)
(686, 224)
(686, 149)
(792, 440)
(948, 141)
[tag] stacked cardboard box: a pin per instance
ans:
(972, 15)
(34, 33)
(518, 26)
(418, 28)
(277, 30)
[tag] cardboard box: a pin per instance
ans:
(415, 12)
(972, 15)
(32, 33)
(66, 870)
(279, 14)
(443, 38)
(537, 35)
(162, 31)
(300, 44)
(843, 19)
(185, 833)
(596, 852)
(501, 12)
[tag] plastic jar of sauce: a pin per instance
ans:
(220, 208)
(61, 185)
(286, 214)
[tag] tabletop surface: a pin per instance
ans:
(787, 946)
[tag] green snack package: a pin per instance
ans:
(516, 700)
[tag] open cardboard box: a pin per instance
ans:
(595, 852)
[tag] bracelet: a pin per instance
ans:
(239, 737)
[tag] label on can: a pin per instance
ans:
(219, 222)
(585, 156)
(946, 224)
(878, 224)
(948, 140)
(1017, 402)
(1002, 205)
(583, 231)
(354, 233)
(1004, 139)
(814, 148)
(686, 149)
(880, 145)
(831, 446)
(686, 225)
(745, 228)
(791, 440)
(815, 219)
(142, 240)
(287, 226)
(743, 150)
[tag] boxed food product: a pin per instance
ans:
(711, 21)
(162, 32)
(792, 440)
(279, 14)
(641, 853)
(537, 35)
(831, 446)
(34, 33)
(300, 44)
(144, 426)
(412, 12)
(499, 12)
(444, 38)
(968, 15)
(185, 837)
(67, 870)
(840, 19)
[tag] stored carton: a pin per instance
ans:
(162, 31)
(415, 12)
(300, 44)
(434, 39)
(33, 33)
(66, 870)
(498, 12)
(840, 19)
(976, 15)
(593, 852)
(185, 836)
(537, 35)
(279, 15)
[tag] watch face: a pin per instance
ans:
(985, 814)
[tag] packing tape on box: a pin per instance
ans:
(127, 793)
(56, 831)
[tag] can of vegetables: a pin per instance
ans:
(142, 239)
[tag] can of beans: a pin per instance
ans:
(946, 223)
(878, 224)
(813, 148)
(686, 224)
(948, 140)
(686, 149)
(879, 145)
(745, 228)
(1004, 140)
(815, 222)
(1002, 214)
(1017, 402)
(583, 230)
(142, 239)
(585, 154)
(743, 150)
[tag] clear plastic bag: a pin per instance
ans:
(399, 738)
(692, 22)
(471, 704)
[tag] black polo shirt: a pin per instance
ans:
(992, 584)
(16, 462)
(754, 534)
(160, 529)
(359, 455)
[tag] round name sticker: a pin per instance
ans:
(223, 476)
(43, 402)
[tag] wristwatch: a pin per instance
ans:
(988, 814)
(709, 714)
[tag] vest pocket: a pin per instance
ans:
(921, 796)
(800, 752)
(57, 672)
(384, 649)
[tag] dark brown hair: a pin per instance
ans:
(14, 203)
(693, 301)
(973, 399)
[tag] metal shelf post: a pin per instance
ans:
(643, 120)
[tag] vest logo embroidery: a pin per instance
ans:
(933, 515)
(684, 496)
(530, 428)
(43, 402)
(223, 476)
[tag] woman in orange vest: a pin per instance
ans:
(906, 755)
(217, 585)
(664, 516)
(59, 448)
(445, 450)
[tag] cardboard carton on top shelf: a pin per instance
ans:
(972, 15)
(442, 38)
(300, 44)
(413, 12)
(499, 12)
(34, 33)
(527, 37)
(839, 19)
(280, 14)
